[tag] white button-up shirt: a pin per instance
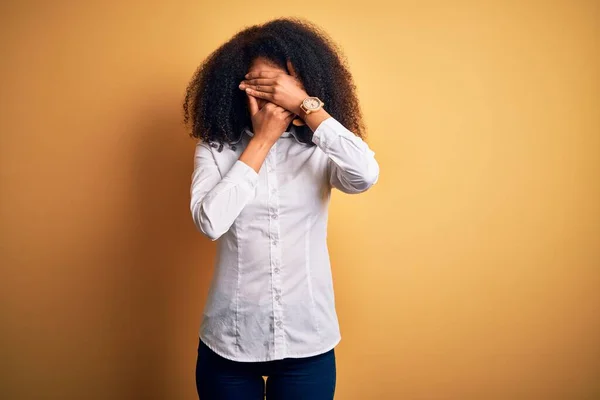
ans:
(271, 295)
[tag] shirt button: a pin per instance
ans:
(274, 216)
(274, 242)
(277, 270)
(277, 297)
(278, 323)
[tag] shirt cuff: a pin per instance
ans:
(328, 130)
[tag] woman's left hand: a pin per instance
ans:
(277, 87)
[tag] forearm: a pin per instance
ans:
(216, 199)
(314, 119)
(215, 208)
(353, 168)
(255, 153)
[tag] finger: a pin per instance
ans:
(281, 110)
(260, 81)
(270, 106)
(262, 88)
(261, 74)
(262, 95)
(289, 119)
(252, 104)
(287, 116)
(287, 113)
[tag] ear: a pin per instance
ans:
(292, 72)
(291, 69)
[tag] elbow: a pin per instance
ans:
(205, 224)
(369, 175)
(358, 186)
(357, 182)
(372, 177)
(209, 232)
(367, 183)
(368, 180)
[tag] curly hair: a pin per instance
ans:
(218, 110)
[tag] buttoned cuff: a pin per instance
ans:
(241, 172)
(327, 131)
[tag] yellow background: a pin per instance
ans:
(470, 271)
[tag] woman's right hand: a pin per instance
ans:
(269, 121)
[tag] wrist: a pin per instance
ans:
(262, 142)
(309, 105)
(298, 110)
(300, 113)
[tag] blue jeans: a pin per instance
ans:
(218, 378)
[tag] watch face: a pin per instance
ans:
(311, 103)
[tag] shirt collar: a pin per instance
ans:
(292, 132)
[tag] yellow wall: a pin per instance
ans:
(470, 271)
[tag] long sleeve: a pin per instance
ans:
(352, 165)
(217, 201)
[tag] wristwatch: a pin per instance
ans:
(311, 104)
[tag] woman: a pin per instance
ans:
(279, 126)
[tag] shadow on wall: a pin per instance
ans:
(159, 295)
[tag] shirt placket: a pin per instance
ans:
(275, 253)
